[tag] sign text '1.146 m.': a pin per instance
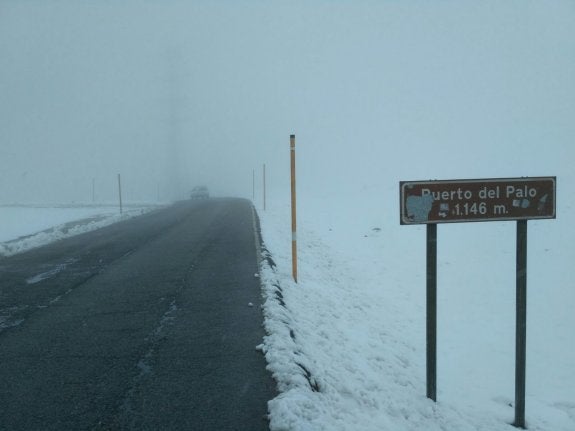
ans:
(452, 201)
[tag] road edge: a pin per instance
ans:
(284, 353)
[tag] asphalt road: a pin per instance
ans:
(148, 324)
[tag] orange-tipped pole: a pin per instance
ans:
(293, 210)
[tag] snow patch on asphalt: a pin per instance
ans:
(51, 273)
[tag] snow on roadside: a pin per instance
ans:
(347, 343)
(25, 228)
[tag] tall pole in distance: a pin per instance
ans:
(93, 190)
(265, 191)
(253, 185)
(293, 210)
(120, 192)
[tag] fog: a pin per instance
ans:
(171, 94)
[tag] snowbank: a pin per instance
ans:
(347, 343)
(24, 228)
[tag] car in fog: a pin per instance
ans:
(200, 192)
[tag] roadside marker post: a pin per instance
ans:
(120, 192)
(293, 209)
(264, 189)
(477, 200)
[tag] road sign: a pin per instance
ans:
(521, 199)
(450, 201)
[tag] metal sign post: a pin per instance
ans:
(431, 328)
(521, 324)
(494, 199)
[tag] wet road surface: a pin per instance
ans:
(148, 324)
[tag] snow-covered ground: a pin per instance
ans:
(25, 227)
(347, 343)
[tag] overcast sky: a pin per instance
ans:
(175, 93)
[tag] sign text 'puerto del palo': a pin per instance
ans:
(477, 200)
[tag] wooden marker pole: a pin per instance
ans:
(293, 210)
(120, 192)
(264, 186)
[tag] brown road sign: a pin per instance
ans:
(452, 201)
